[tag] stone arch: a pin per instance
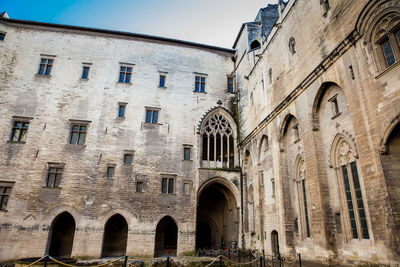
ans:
(335, 146)
(284, 126)
(390, 159)
(166, 239)
(275, 244)
(61, 235)
(315, 120)
(129, 218)
(52, 213)
(115, 236)
(217, 131)
(262, 148)
(255, 45)
(217, 204)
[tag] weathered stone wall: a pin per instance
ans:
(157, 149)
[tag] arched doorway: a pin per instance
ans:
(217, 217)
(115, 237)
(61, 235)
(166, 242)
(274, 243)
(391, 168)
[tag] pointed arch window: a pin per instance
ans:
(349, 181)
(218, 142)
(303, 204)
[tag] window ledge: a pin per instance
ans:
(199, 92)
(232, 93)
(337, 115)
(16, 142)
(166, 194)
(162, 87)
(109, 179)
(83, 79)
(148, 124)
(3, 211)
(387, 69)
(120, 118)
(76, 145)
(188, 160)
(127, 165)
(42, 76)
(52, 187)
(141, 192)
(124, 83)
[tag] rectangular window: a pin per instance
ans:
(167, 185)
(54, 176)
(110, 171)
(5, 192)
(85, 72)
(151, 116)
(78, 134)
(128, 159)
(200, 84)
(261, 178)
(349, 200)
(186, 189)
(186, 153)
(230, 84)
(139, 186)
(2, 36)
(121, 110)
(388, 52)
(125, 74)
(303, 183)
(19, 131)
(273, 187)
(45, 66)
(162, 80)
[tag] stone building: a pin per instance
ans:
(118, 143)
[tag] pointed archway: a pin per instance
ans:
(217, 217)
(61, 235)
(115, 237)
(166, 242)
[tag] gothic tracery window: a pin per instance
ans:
(346, 170)
(218, 142)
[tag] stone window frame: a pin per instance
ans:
(5, 194)
(189, 183)
(186, 147)
(302, 196)
(79, 123)
(168, 178)
(120, 105)
(22, 120)
(128, 153)
(200, 78)
(46, 65)
(56, 168)
(164, 75)
(126, 70)
(335, 106)
(108, 167)
(230, 80)
(85, 65)
(152, 110)
(351, 189)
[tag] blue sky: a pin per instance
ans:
(214, 22)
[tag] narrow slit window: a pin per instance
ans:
(110, 171)
(230, 84)
(85, 72)
(388, 52)
(139, 186)
(303, 183)
(121, 110)
(162, 81)
(186, 153)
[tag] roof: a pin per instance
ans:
(119, 33)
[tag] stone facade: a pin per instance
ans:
(305, 153)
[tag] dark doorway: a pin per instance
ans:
(275, 243)
(115, 237)
(166, 238)
(203, 233)
(61, 235)
(217, 218)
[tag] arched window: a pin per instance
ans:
(302, 196)
(386, 38)
(218, 142)
(350, 189)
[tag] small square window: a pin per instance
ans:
(85, 72)
(121, 110)
(151, 115)
(162, 80)
(45, 66)
(230, 84)
(110, 171)
(200, 84)
(139, 186)
(128, 159)
(5, 191)
(167, 185)
(186, 153)
(186, 188)
(54, 174)
(19, 131)
(125, 74)
(2, 36)
(77, 134)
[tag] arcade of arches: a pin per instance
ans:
(217, 217)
